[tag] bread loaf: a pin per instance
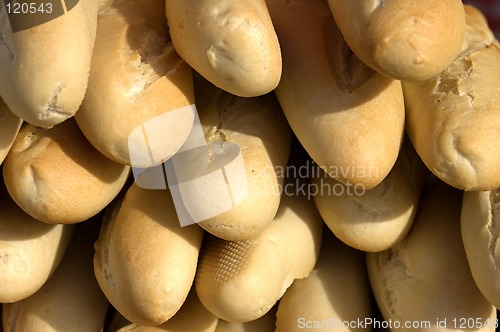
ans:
(145, 261)
(426, 277)
(231, 43)
(266, 323)
(348, 117)
(143, 115)
(334, 295)
(479, 224)
(453, 118)
(10, 127)
(30, 251)
(375, 219)
(258, 129)
(45, 68)
(70, 300)
(241, 281)
(405, 40)
(57, 176)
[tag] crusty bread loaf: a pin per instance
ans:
(335, 293)
(231, 43)
(266, 323)
(143, 115)
(192, 316)
(70, 300)
(348, 117)
(259, 130)
(241, 281)
(30, 250)
(145, 261)
(426, 278)
(479, 222)
(57, 176)
(407, 40)
(453, 118)
(10, 127)
(375, 219)
(45, 68)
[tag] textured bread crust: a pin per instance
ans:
(30, 251)
(407, 40)
(259, 128)
(145, 261)
(376, 219)
(231, 43)
(241, 281)
(349, 118)
(426, 277)
(453, 118)
(149, 82)
(337, 290)
(59, 52)
(480, 231)
(10, 125)
(58, 177)
(70, 300)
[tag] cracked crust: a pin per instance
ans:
(453, 118)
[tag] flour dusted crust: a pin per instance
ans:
(453, 118)
(427, 277)
(145, 261)
(407, 40)
(241, 281)
(137, 82)
(231, 43)
(45, 69)
(58, 177)
(349, 118)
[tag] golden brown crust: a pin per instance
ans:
(405, 40)
(10, 127)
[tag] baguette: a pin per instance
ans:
(57, 176)
(143, 115)
(407, 40)
(453, 118)
(479, 224)
(30, 251)
(10, 127)
(426, 278)
(259, 130)
(241, 281)
(265, 323)
(231, 43)
(59, 52)
(70, 300)
(145, 261)
(349, 118)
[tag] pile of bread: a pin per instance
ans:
(399, 100)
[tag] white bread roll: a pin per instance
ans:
(70, 300)
(336, 292)
(375, 219)
(426, 278)
(10, 125)
(407, 40)
(58, 177)
(349, 118)
(145, 261)
(30, 251)
(479, 222)
(45, 68)
(266, 323)
(151, 91)
(453, 118)
(192, 316)
(241, 281)
(231, 43)
(258, 128)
